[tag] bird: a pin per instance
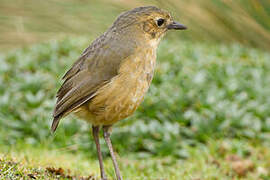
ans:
(111, 77)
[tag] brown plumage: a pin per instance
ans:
(108, 82)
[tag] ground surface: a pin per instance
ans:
(226, 159)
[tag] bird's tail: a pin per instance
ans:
(55, 123)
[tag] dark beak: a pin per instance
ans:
(177, 26)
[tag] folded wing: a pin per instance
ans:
(98, 64)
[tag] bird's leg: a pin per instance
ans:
(96, 138)
(106, 135)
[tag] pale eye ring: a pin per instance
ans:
(160, 22)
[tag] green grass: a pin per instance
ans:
(226, 159)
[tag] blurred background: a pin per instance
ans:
(207, 113)
(26, 22)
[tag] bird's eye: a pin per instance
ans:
(160, 22)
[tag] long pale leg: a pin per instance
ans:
(96, 138)
(106, 135)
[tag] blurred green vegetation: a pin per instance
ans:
(243, 21)
(27, 21)
(199, 91)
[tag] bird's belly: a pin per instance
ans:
(118, 100)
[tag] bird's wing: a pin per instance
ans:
(98, 64)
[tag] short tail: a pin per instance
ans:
(55, 123)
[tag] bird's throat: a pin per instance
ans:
(154, 43)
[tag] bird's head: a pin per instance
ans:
(149, 23)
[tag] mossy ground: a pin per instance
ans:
(222, 159)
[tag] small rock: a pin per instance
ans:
(262, 171)
(242, 167)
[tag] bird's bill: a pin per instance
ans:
(177, 26)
